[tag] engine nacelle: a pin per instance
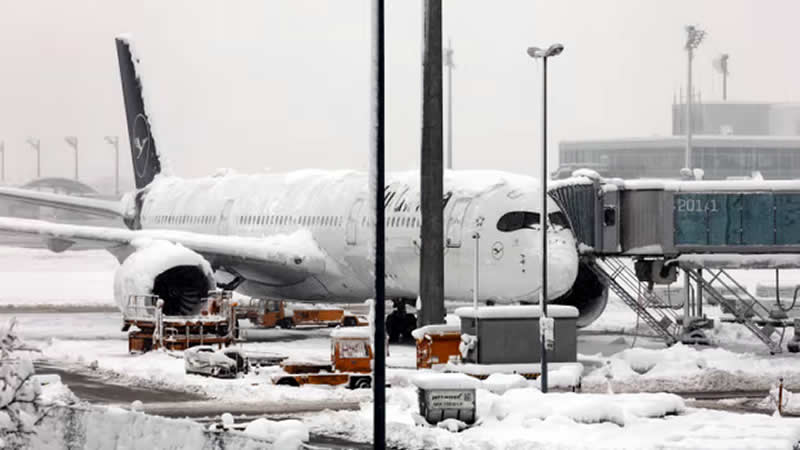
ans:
(589, 295)
(179, 276)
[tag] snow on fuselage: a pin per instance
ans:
(333, 206)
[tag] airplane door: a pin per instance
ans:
(455, 222)
(351, 229)
(224, 217)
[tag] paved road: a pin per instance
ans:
(168, 403)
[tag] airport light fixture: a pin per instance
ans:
(35, 143)
(114, 141)
(544, 54)
(694, 37)
(72, 141)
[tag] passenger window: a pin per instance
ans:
(517, 220)
(609, 216)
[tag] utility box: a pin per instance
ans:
(436, 344)
(446, 396)
(510, 334)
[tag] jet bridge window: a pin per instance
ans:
(517, 220)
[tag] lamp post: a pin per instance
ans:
(536, 52)
(36, 145)
(114, 141)
(694, 36)
(72, 141)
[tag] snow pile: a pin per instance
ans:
(499, 383)
(284, 434)
(22, 404)
(682, 368)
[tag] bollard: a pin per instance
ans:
(780, 396)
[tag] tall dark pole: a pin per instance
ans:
(432, 255)
(377, 167)
(535, 52)
(543, 222)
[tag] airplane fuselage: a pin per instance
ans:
(334, 207)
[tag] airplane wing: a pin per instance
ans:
(96, 206)
(287, 258)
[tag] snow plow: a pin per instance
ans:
(269, 313)
(351, 365)
(214, 325)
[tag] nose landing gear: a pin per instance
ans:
(400, 324)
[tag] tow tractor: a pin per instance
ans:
(215, 325)
(269, 313)
(352, 355)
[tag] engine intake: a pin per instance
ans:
(177, 275)
(588, 294)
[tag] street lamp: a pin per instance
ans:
(36, 145)
(694, 36)
(72, 141)
(114, 140)
(536, 52)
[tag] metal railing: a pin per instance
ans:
(622, 280)
(739, 302)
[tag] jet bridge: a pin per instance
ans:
(639, 233)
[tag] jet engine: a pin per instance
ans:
(179, 276)
(589, 294)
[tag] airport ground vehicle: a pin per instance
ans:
(269, 313)
(150, 329)
(205, 360)
(351, 363)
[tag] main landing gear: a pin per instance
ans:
(400, 324)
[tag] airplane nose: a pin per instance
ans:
(562, 266)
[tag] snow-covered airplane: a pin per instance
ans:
(304, 235)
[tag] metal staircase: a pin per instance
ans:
(622, 280)
(741, 304)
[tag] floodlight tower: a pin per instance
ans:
(35, 144)
(721, 64)
(694, 36)
(72, 141)
(448, 62)
(114, 141)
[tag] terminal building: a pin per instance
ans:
(730, 140)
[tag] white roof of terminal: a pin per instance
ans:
(661, 142)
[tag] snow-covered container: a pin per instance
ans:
(446, 396)
(436, 344)
(510, 334)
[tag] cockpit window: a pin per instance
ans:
(558, 220)
(517, 220)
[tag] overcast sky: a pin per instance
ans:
(282, 85)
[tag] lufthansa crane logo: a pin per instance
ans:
(141, 142)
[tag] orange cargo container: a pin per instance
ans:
(436, 344)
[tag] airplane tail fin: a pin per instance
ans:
(146, 163)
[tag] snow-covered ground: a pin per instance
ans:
(521, 417)
(41, 277)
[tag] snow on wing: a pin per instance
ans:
(289, 257)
